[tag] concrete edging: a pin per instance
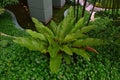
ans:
(14, 19)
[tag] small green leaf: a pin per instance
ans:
(72, 37)
(53, 49)
(69, 38)
(4, 43)
(35, 34)
(31, 44)
(55, 63)
(87, 28)
(67, 58)
(88, 42)
(2, 10)
(26, 42)
(78, 25)
(117, 41)
(66, 49)
(38, 45)
(82, 53)
(53, 27)
(41, 28)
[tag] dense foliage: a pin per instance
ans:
(115, 4)
(111, 6)
(4, 3)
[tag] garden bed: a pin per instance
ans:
(17, 62)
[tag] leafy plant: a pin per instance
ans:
(61, 41)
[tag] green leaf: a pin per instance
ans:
(41, 28)
(117, 42)
(31, 44)
(87, 28)
(80, 35)
(4, 43)
(58, 30)
(88, 42)
(35, 34)
(2, 10)
(67, 24)
(78, 25)
(66, 49)
(55, 63)
(82, 53)
(53, 27)
(53, 49)
(72, 37)
(38, 45)
(66, 28)
(67, 58)
(26, 42)
(69, 38)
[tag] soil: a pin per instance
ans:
(22, 14)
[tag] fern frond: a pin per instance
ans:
(41, 28)
(53, 27)
(55, 63)
(88, 42)
(82, 53)
(66, 49)
(36, 35)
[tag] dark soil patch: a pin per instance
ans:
(22, 14)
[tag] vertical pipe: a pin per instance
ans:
(91, 12)
(74, 8)
(77, 10)
(83, 11)
(74, 5)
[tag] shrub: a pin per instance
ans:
(61, 41)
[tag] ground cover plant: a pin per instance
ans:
(4, 3)
(17, 62)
